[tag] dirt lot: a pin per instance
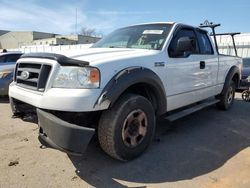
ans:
(207, 149)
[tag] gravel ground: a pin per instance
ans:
(208, 149)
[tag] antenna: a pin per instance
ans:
(76, 23)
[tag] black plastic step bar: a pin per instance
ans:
(190, 110)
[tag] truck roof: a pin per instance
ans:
(169, 23)
(148, 23)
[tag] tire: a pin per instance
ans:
(127, 128)
(246, 95)
(14, 108)
(227, 99)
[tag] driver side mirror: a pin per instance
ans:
(185, 46)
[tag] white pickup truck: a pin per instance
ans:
(119, 86)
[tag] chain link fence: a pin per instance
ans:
(243, 49)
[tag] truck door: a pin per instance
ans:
(208, 60)
(183, 69)
(190, 71)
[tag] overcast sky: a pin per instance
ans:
(59, 16)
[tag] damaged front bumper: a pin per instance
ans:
(61, 135)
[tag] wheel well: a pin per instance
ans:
(146, 91)
(236, 79)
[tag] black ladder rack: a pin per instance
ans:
(212, 26)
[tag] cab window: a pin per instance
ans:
(204, 43)
(184, 33)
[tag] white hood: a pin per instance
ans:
(96, 55)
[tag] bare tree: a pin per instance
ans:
(88, 32)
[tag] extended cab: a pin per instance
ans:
(119, 86)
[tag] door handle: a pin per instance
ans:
(202, 64)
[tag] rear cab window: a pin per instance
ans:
(204, 42)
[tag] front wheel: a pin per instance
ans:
(227, 99)
(127, 128)
(14, 108)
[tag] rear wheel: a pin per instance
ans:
(126, 129)
(227, 99)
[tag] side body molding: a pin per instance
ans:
(130, 77)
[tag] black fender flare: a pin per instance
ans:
(129, 77)
(231, 73)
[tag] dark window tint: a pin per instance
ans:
(12, 57)
(204, 43)
(172, 50)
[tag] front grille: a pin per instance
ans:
(32, 76)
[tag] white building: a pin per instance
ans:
(18, 39)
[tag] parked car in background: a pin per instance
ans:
(244, 84)
(7, 65)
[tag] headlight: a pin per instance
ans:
(77, 77)
(4, 74)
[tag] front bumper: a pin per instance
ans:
(59, 99)
(61, 135)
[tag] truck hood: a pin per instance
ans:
(96, 55)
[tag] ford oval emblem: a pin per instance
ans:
(25, 75)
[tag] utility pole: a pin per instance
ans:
(76, 27)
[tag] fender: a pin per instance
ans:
(233, 70)
(128, 77)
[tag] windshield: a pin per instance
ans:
(246, 62)
(150, 37)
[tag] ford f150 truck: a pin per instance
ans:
(119, 86)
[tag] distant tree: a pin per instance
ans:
(88, 32)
